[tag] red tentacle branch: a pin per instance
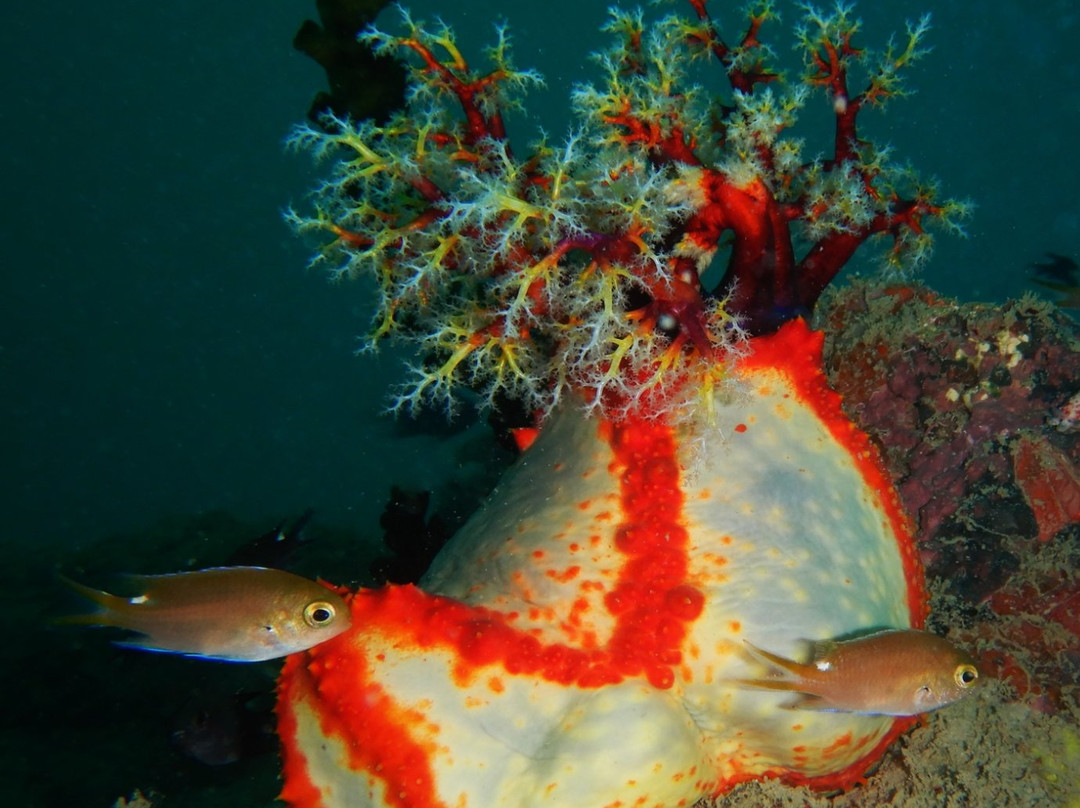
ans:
(742, 79)
(479, 125)
(830, 63)
(829, 255)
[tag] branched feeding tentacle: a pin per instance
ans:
(579, 267)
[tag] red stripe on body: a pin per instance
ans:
(650, 601)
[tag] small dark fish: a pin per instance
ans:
(1058, 269)
(891, 672)
(222, 729)
(274, 548)
(1059, 274)
(237, 614)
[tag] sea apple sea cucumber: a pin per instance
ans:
(575, 643)
(694, 486)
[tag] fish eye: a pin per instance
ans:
(966, 675)
(319, 613)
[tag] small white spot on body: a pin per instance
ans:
(138, 600)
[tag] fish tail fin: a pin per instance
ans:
(108, 609)
(783, 674)
(801, 700)
(786, 685)
(776, 663)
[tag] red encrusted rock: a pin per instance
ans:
(948, 390)
(1050, 483)
(1029, 634)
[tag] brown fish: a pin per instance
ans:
(891, 672)
(238, 614)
